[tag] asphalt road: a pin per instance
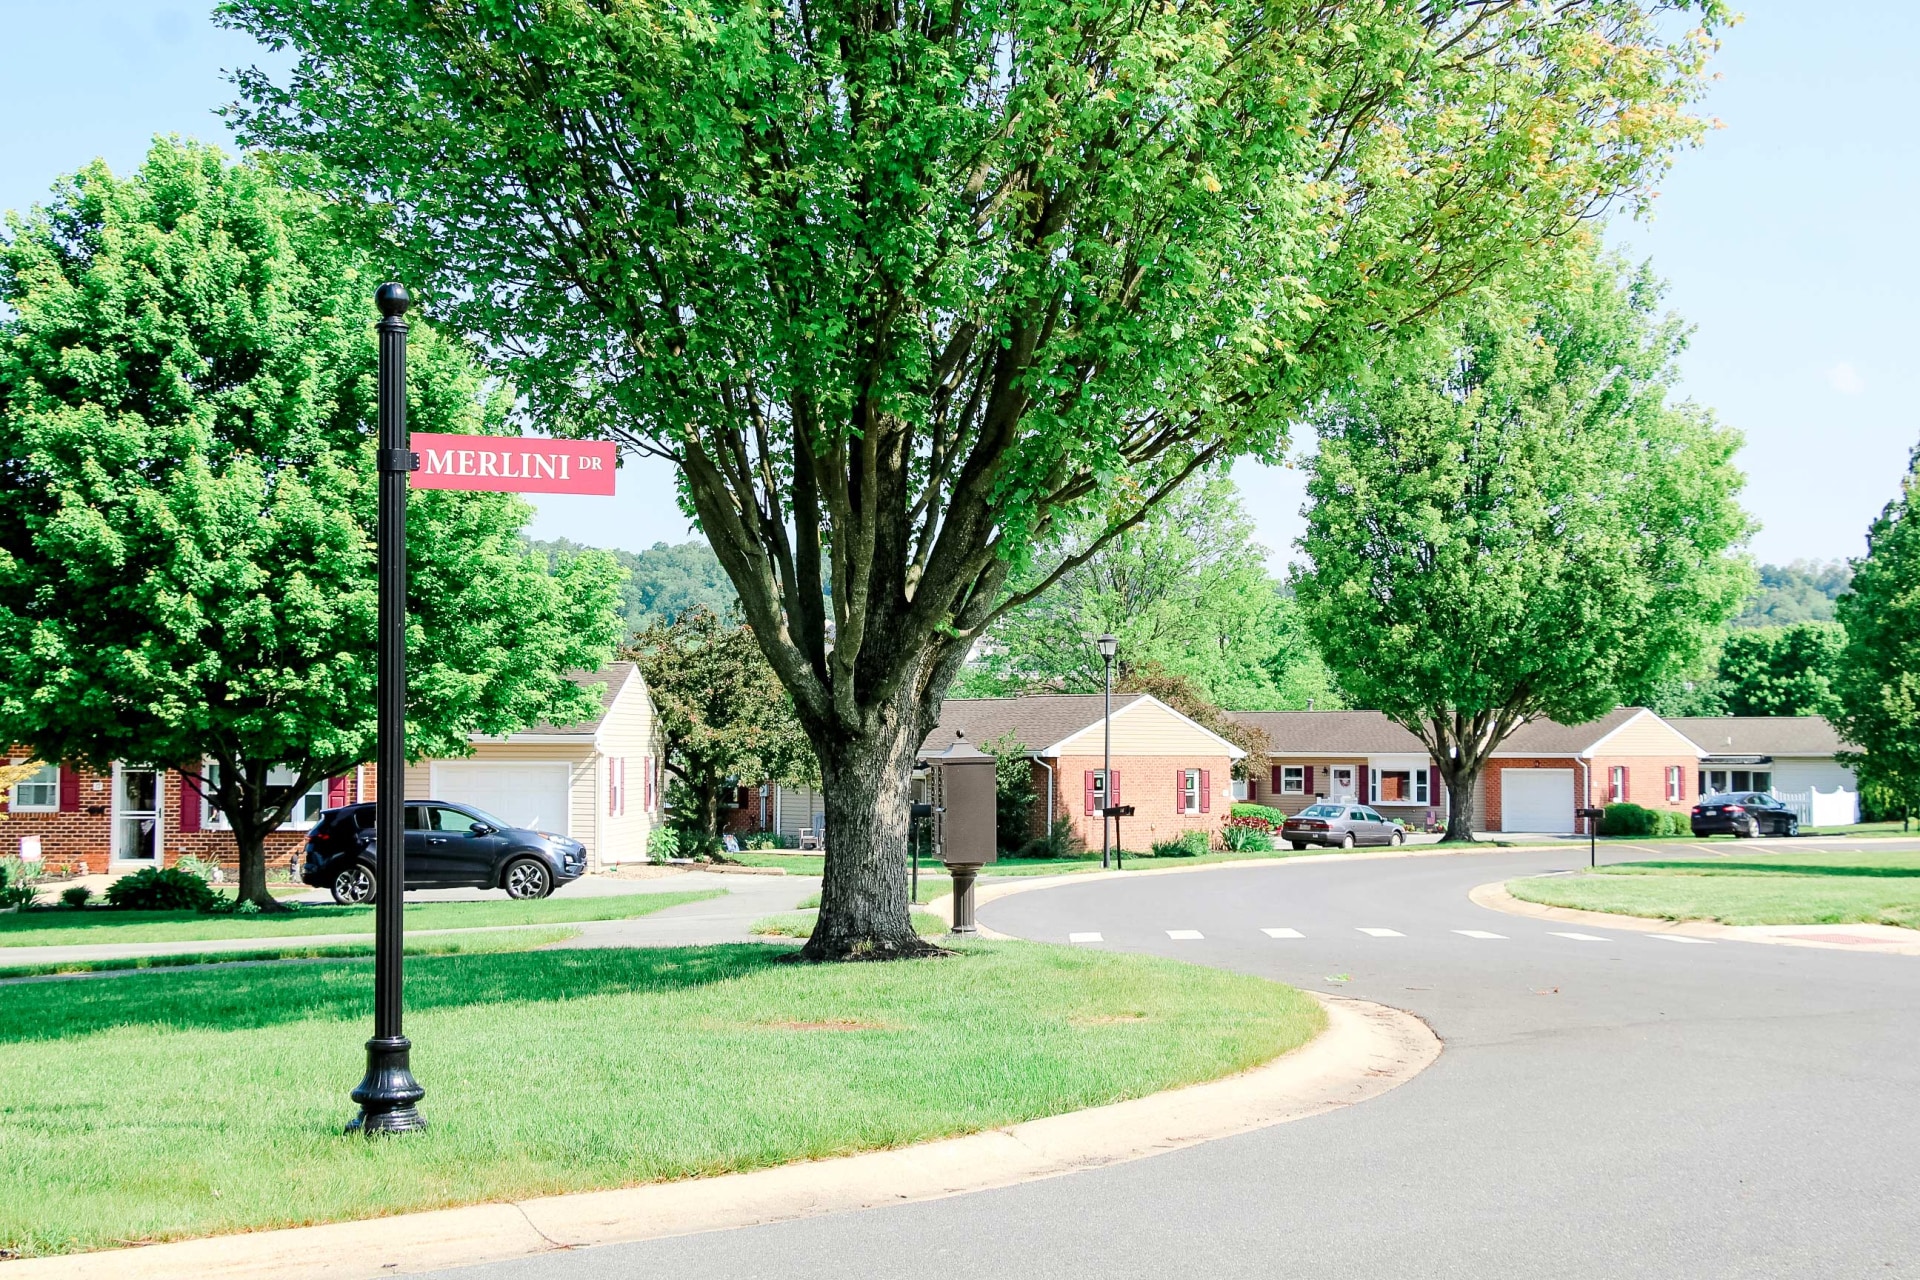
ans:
(1622, 1107)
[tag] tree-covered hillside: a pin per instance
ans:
(1803, 591)
(664, 581)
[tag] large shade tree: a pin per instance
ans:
(187, 504)
(1878, 679)
(1508, 520)
(898, 286)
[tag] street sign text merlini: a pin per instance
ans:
(511, 464)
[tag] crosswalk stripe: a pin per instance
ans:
(1480, 933)
(1185, 935)
(1675, 937)
(1381, 933)
(1580, 937)
(1085, 937)
(1283, 933)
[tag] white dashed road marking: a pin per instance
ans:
(1382, 933)
(1085, 937)
(1283, 933)
(1185, 935)
(1479, 933)
(1675, 937)
(1582, 937)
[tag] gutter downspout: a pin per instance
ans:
(1048, 830)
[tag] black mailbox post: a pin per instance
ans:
(963, 815)
(1593, 817)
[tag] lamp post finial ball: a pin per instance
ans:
(392, 298)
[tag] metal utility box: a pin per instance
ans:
(963, 805)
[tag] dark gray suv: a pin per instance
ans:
(449, 846)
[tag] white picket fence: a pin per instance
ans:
(1818, 808)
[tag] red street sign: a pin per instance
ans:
(512, 464)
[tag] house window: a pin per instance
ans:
(1189, 791)
(38, 792)
(1242, 789)
(1617, 784)
(1421, 793)
(1099, 789)
(305, 811)
(1676, 784)
(1763, 782)
(1392, 786)
(1293, 780)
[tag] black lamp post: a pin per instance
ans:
(1109, 645)
(388, 1093)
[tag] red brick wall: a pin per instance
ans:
(83, 840)
(1647, 781)
(1148, 784)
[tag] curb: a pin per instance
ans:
(993, 888)
(1366, 1050)
(1494, 897)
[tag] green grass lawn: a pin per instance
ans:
(799, 924)
(1798, 887)
(485, 942)
(212, 1100)
(104, 926)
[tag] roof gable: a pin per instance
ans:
(1762, 735)
(1145, 726)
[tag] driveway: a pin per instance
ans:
(1610, 1104)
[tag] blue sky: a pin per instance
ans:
(1780, 237)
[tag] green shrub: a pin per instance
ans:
(76, 896)
(1188, 844)
(1242, 836)
(1057, 843)
(207, 869)
(663, 842)
(161, 889)
(1638, 820)
(761, 840)
(1242, 809)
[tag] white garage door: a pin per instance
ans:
(531, 794)
(1536, 800)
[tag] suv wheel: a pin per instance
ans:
(353, 887)
(527, 878)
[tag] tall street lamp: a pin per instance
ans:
(1109, 645)
(388, 1093)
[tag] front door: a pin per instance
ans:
(1342, 779)
(136, 814)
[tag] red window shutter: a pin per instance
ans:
(1309, 777)
(1206, 791)
(190, 801)
(69, 789)
(1433, 784)
(1626, 783)
(1275, 781)
(336, 792)
(1113, 788)
(1365, 796)
(1089, 791)
(1179, 790)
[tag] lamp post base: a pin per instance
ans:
(388, 1093)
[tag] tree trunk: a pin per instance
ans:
(1459, 778)
(251, 886)
(864, 913)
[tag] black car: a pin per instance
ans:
(449, 846)
(1744, 813)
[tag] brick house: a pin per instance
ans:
(1356, 756)
(600, 781)
(1176, 774)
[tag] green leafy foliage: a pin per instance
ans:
(186, 519)
(161, 889)
(1803, 591)
(1635, 820)
(663, 842)
(1246, 835)
(1188, 844)
(76, 896)
(903, 291)
(662, 582)
(726, 720)
(1508, 520)
(1878, 684)
(1013, 791)
(1766, 671)
(1187, 593)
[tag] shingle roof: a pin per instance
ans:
(1551, 738)
(611, 678)
(1761, 735)
(1332, 733)
(1037, 720)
